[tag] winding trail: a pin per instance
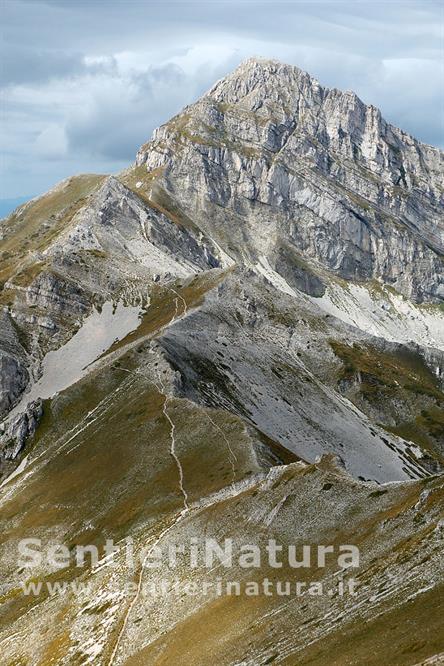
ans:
(161, 388)
(174, 455)
(139, 587)
(173, 441)
(185, 306)
(222, 495)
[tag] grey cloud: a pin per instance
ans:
(390, 53)
(117, 121)
(22, 65)
(114, 128)
(363, 27)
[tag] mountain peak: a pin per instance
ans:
(268, 80)
(223, 341)
(269, 66)
(269, 138)
(266, 65)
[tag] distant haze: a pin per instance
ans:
(84, 83)
(8, 205)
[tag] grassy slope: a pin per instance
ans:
(32, 227)
(262, 630)
(110, 472)
(101, 465)
(384, 378)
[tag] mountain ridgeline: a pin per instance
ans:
(273, 164)
(242, 333)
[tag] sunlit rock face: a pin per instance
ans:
(240, 336)
(268, 158)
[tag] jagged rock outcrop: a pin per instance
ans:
(268, 155)
(225, 342)
(13, 371)
(20, 429)
(54, 294)
(114, 246)
(121, 226)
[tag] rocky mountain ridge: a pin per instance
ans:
(243, 331)
(302, 169)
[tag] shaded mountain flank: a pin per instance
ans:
(240, 336)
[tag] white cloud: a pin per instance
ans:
(104, 80)
(51, 143)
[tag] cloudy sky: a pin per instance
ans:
(84, 82)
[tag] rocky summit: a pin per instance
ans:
(240, 337)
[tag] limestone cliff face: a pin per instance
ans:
(204, 346)
(272, 171)
(268, 159)
(13, 372)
